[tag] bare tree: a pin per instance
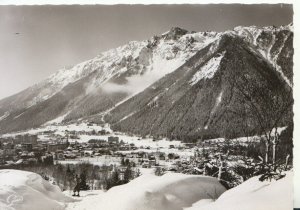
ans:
(268, 103)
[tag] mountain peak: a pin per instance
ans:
(175, 33)
(178, 30)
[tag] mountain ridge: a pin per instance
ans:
(97, 85)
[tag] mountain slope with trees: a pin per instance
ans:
(178, 106)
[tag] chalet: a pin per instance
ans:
(76, 152)
(20, 139)
(171, 146)
(152, 160)
(70, 155)
(122, 172)
(24, 155)
(145, 164)
(26, 147)
(189, 145)
(173, 168)
(113, 139)
(124, 148)
(162, 157)
(55, 147)
(141, 154)
(39, 148)
(88, 153)
(59, 155)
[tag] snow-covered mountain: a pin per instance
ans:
(99, 86)
(274, 44)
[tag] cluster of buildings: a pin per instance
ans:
(28, 149)
(22, 149)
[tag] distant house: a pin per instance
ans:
(122, 172)
(189, 145)
(26, 147)
(152, 160)
(59, 155)
(70, 155)
(20, 139)
(113, 139)
(162, 157)
(55, 147)
(88, 153)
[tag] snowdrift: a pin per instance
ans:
(253, 195)
(149, 192)
(21, 190)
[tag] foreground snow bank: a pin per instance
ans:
(254, 195)
(21, 190)
(150, 192)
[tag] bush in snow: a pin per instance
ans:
(159, 171)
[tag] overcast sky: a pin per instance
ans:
(36, 41)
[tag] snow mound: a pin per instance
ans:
(254, 194)
(21, 190)
(149, 192)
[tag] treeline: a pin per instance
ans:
(92, 177)
(127, 175)
(233, 163)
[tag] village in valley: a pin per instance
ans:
(99, 154)
(98, 147)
